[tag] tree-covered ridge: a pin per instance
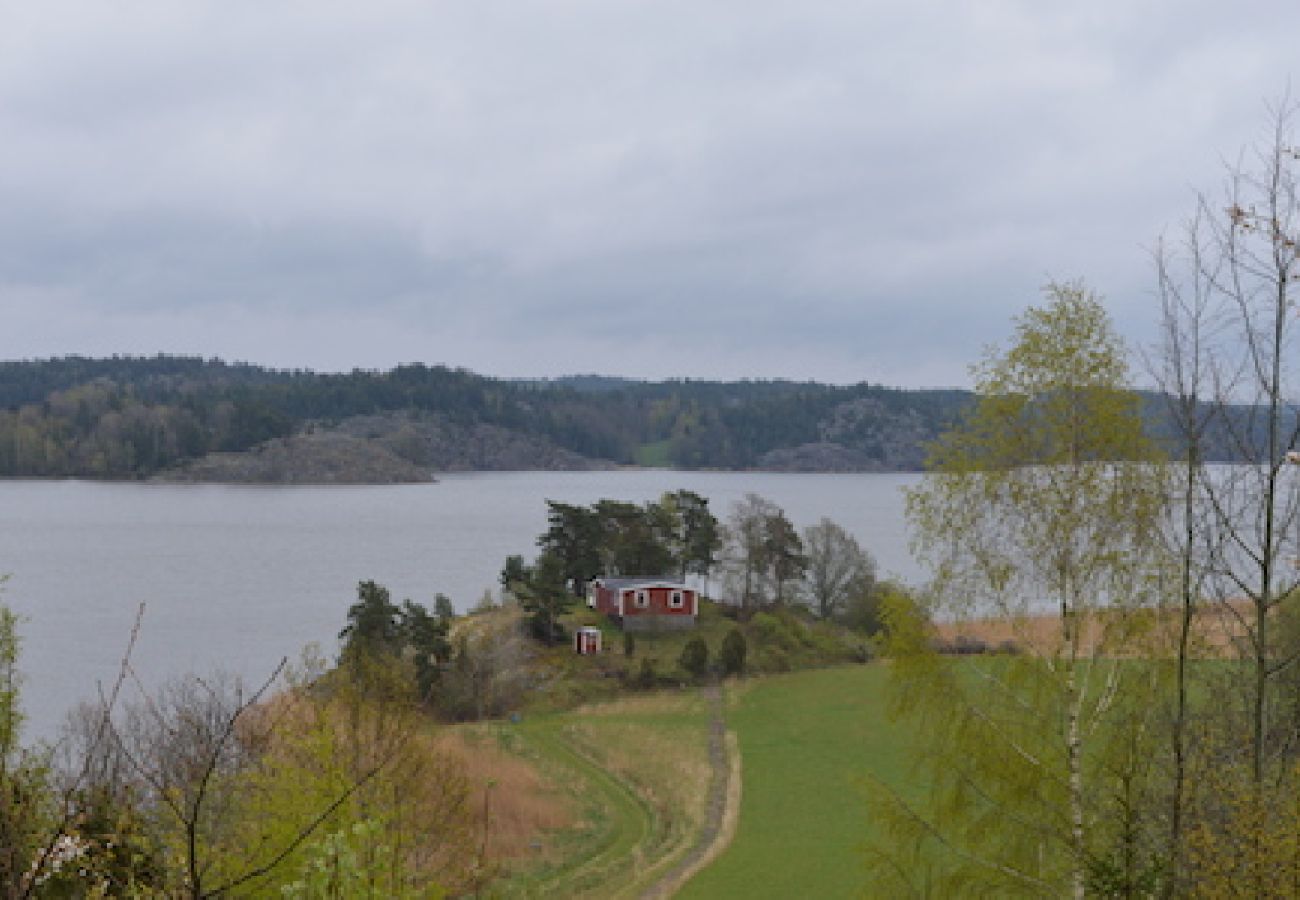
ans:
(127, 417)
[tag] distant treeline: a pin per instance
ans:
(132, 417)
(127, 417)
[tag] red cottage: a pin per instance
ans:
(645, 604)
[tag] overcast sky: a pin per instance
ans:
(846, 191)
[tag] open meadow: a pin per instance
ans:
(807, 740)
(627, 783)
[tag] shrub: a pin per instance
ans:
(695, 657)
(732, 655)
(647, 677)
(962, 645)
(773, 659)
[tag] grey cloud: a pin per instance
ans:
(836, 190)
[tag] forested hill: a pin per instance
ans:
(185, 417)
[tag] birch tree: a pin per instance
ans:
(1040, 510)
(1229, 359)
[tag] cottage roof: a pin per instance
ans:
(624, 584)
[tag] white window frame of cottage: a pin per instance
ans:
(642, 599)
(676, 600)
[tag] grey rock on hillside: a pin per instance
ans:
(862, 435)
(316, 458)
(435, 442)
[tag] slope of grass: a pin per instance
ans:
(806, 740)
(777, 642)
(638, 770)
(656, 455)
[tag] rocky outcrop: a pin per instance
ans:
(892, 438)
(862, 435)
(316, 458)
(437, 443)
(818, 457)
(398, 448)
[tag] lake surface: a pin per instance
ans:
(234, 578)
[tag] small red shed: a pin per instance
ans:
(586, 641)
(645, 604)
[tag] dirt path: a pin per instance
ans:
(723, 806)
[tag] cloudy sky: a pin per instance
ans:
(843, 190)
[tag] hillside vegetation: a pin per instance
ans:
(128, 417)
(138, 417)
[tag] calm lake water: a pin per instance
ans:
(234, 578)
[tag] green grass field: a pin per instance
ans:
(806, 740)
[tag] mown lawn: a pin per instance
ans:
(806, 741)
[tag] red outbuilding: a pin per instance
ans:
(645, 604)
(586, 641)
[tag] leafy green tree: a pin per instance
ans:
(489, 671)
(861, 610)
(764, 554)
(25, 792)
(1043, 499)
(838, 569)
(747, 547)
(784, 554)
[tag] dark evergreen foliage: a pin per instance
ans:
(130, 417)
(379, 629)
(731, 657)
(694, 659)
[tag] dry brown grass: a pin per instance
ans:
(659, 704)
(727, 831)
(736, 690)
(669, 768)
(656, 745)
(1217, 632)
(522, 804)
